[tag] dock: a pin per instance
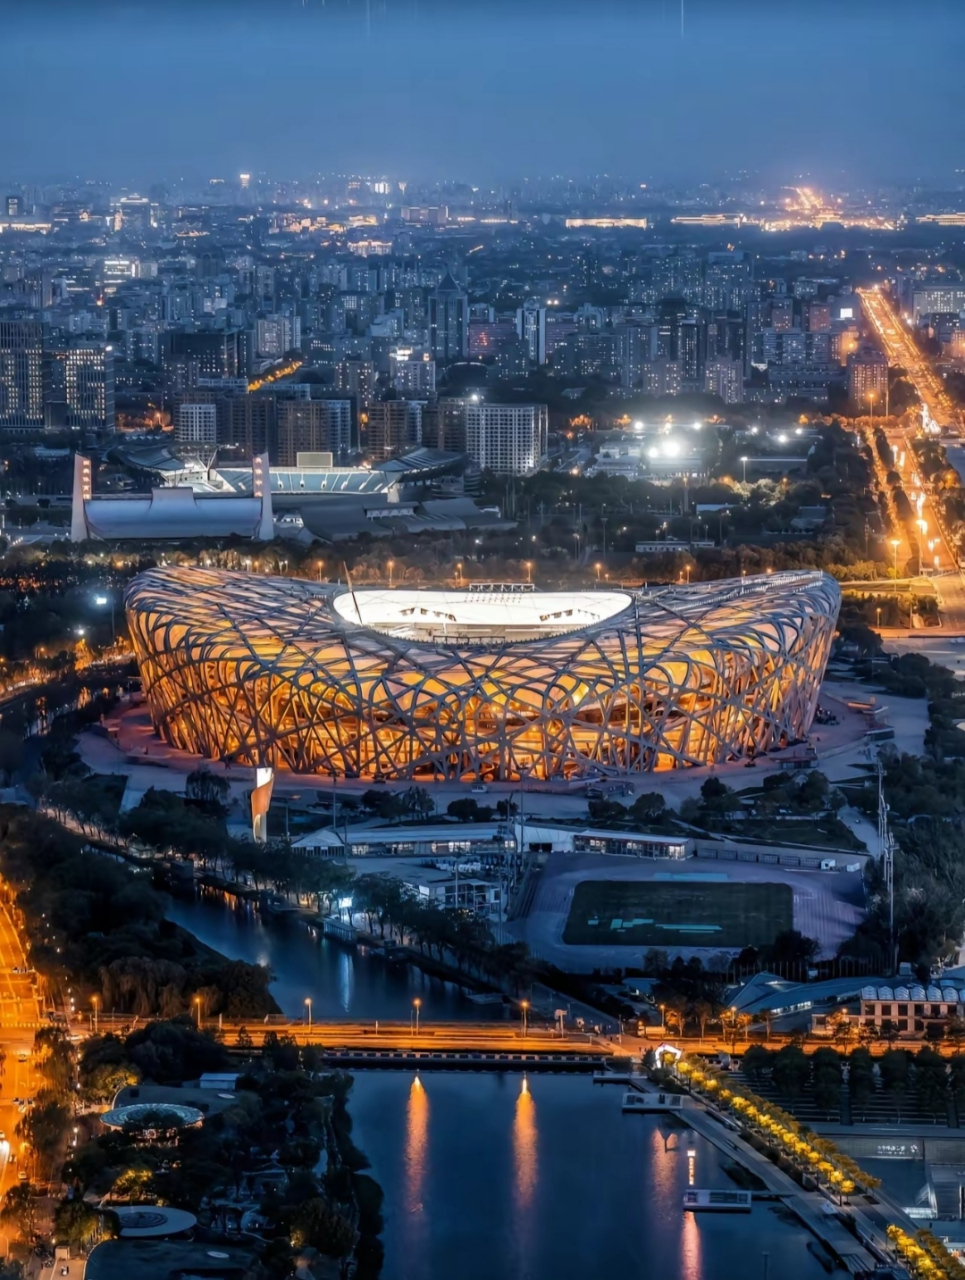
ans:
(811, 1208)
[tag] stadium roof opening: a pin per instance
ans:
(498, 616)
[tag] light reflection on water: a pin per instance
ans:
(493, 1177)
(340, 981)
(525, 1181)
(415, 1225)
(525, 1139)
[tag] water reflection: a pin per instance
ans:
(339, 980)
(525, 1143)
(690, 1260)
(416, 1147)
(346, 980)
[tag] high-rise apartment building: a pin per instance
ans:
(88, 386)
(313, 426)
(275, 336)
(21, 374)
(444, 424)
(448, 321)
(930, 300)
(393, 427)
(724, 377)
(252, 424)
(661, 378)
(356, 378)
(412, 372)
(188, 355)
(507, 438)
(196, 424)
(531, 329)
(868, 379)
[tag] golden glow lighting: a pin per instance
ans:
(452, 684)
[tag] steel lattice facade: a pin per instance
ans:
(270, 671)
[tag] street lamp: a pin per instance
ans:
(895, 544)
(598, 567)
(391, 567)
(197, 1009)
(744, 465)
(95, 1001)
(663, 1019)
(922, 530)
(529, 571)
(417, 1005)
(308, 1006)
(524, 1006)
(459, 574)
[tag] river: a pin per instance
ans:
(340, 981)
(496, 1175)
(545, 1179)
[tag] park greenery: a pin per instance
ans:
(889, 1084)
(261, 1155)
(96, 927)
(802, 1151)
(925, 1256)
(926, 798)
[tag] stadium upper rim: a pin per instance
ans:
(456, 619)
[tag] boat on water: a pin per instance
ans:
(723, 1201)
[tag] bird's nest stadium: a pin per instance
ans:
(487, 685)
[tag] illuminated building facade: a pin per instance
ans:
(478, 684)
(21, 374)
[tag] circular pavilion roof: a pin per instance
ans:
(142, 1221)
(152, 1115)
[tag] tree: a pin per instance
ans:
(756, 1061)
(791, 946)
(791, 1070)
(719, 798)
(894, 1067)
(418, 803)
(465, 810)
(316, 1224)
(648, 806)
(826, 1076)
(19, 1209)
(931, 1080)
(861, 1081)
(207, 788)
(11, 753)
(79, 1225)
(43, 1126)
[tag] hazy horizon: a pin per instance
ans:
(442, 89)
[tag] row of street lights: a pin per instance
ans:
(413, 1016)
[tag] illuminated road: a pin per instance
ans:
(900, 348)
(934, 552)
(20, 1017)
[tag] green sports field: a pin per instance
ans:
(669, 913)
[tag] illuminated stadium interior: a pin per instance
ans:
(495, 616)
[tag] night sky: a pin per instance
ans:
(836, 90)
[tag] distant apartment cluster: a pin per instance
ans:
(255, 321)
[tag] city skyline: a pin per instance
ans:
(433, 90)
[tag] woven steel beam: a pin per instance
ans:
(269, 671)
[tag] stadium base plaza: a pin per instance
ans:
(471, 685)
